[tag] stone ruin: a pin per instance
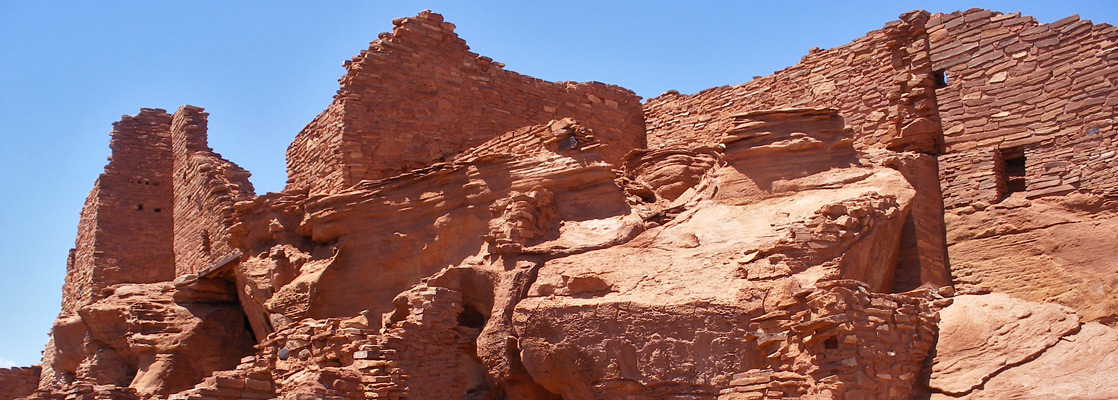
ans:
(925, 212)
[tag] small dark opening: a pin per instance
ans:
(940, 78)
(158, 209)
(1014, 159)
(471, 317)
(830, 343)
(140, 207)
(568, 143)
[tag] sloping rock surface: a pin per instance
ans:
(997, 347)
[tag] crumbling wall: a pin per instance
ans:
(125, 230)
(1014, 85)
(420, 354)
(18, 381)
(881, 83)
(205, 188)
(860, 345)
(418, 96)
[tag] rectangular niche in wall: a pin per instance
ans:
(1010, 163)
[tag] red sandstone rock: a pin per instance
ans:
(1046, 250)
(454, 230)
(981, 335)
(994, 347)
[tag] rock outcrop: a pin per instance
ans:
(995, 346)
(453, 230)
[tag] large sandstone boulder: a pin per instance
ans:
(155, 339)
(994, 346)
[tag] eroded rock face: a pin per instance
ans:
(155, 339)
(1048, 250)
(981, 335)
(454, 230)
(994, 346)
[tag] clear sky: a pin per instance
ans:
(263, 70)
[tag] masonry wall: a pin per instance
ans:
(418, 96)
(124, 234)
(881, 84)
(419, 354)
(18, 382)
(205, 188)
(861, 345)
(1046, 89)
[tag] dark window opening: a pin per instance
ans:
(830, 343)
(140, 207)
(941, 79)
(471, 317)
(1013, 170)
(158, 209)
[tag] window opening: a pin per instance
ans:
(830, 343)
(471, 317)
(140, 207)
(941, 79)
(1013, 170)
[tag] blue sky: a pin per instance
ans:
(68, 70)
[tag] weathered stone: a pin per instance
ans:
(981, 335)
(454, 230)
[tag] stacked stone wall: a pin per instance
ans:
(18, 381)
(125, 230)
(1013, 85)
(416, 355)
(419, 96)
(881, 83)
(205, 188)
(840, 341)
